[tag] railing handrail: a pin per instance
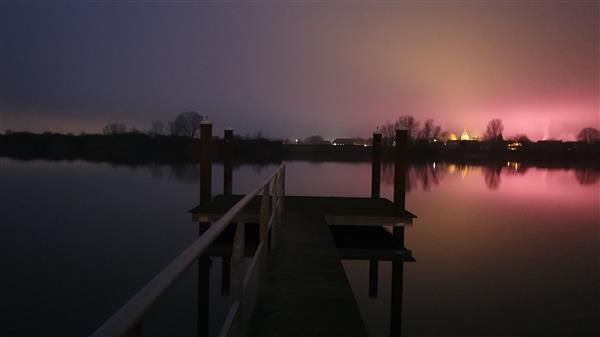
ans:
(133, 310)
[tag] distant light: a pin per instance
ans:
(296, 140)
(465, 136)
(514, 146)
(434, 165)
(365, 145)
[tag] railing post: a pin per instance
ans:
(205, 161)
(282, 201)
(237, 259)
(227, 162)
(264, 213)
(376, 165)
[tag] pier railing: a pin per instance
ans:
(127, 320)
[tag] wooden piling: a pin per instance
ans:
(227, 162)
(400, 163)
(376, 165)
(205, 161)
(396, 298)
(373, 278)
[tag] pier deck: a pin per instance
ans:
(337, 210)
(306, 291)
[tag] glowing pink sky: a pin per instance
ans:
(293, 70)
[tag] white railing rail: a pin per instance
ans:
(127, 319)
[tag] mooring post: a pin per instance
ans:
(205, 161)
(373, 278)
(227, 162)
(400, 168)
(396, 298)
(400, 163)
(376, 165)
(203, 285)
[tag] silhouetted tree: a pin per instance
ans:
(521, 138)
(114, 128)
(430, 131)
(410, 124)
(494, 130)
(157, 128)
(589, 135)
(388, 133)
(186, 124)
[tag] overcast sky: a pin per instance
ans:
(298, 69)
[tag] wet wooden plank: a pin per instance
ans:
(305, 292)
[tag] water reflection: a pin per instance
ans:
(492, 176)
(427, 175)
(358, 245)
(418, 175)
(587, 176)
(487, 260)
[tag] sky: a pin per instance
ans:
(297, 69)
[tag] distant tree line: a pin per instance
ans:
(493, 133)
(185, 124)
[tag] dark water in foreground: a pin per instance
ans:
(500, 251)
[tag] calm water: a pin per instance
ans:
(500, 251)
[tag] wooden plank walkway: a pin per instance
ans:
(306, 292)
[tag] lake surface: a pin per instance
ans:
(500, 251)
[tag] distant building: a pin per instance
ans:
(447, 136)
(343, 141)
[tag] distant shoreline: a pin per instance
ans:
(132, 148)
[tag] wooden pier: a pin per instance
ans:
(295, 284)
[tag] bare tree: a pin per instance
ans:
(494, 130)
(521, 138)
(388, 133)
(114, 128)
(186, 124)
(589, 135)
(430, 131)
(157, 128)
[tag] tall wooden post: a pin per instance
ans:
(373, 278)
(400, 164)
(396, 298)
(227, 162)
(400, 168)
(376, 165)
(203, 285)
(205, 162)
(205, 198)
